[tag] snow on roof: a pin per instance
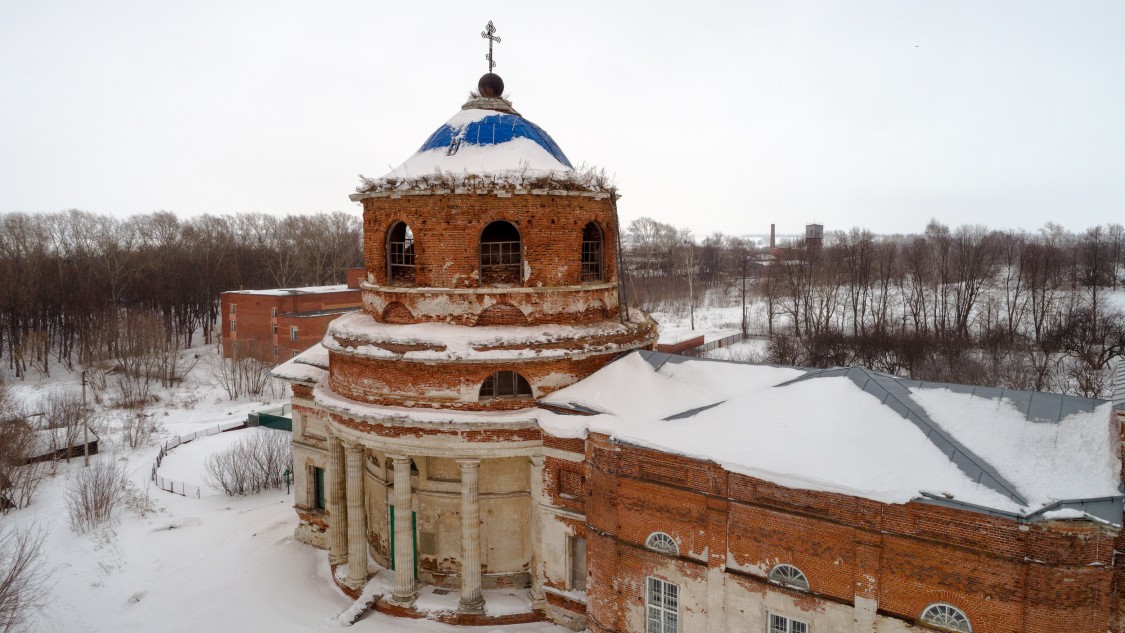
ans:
(329, 399)
(851, 431)
(478, 141)
(280, 292)
(361, 334)
(310, 366)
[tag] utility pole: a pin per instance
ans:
(85, 425)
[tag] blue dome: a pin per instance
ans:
(494, 129)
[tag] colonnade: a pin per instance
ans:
(347, 523)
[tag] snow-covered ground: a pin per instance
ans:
(215, 563)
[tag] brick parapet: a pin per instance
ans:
(482, 306)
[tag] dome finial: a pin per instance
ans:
(490, 86)
(487, 34)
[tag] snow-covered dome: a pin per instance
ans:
(487, 136)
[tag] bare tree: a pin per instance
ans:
(23, 578)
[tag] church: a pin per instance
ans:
(492, 439)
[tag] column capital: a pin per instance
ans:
(399, 459)
(537, 460)
(354, 447)
(468, 464)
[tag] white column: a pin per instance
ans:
(337, 511)
(404, 592)
(538, 599)
(472, 601)
(357, 518)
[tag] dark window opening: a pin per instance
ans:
(501, 258)
(400, 254)
(318, 489)
(505, 384)
(591, 253)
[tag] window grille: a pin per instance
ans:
(276, 351)
(947, 618)
(233, 308)
(661, 542)
(275, 328)
(505, 384)
(233, 326)
(782, 624)
(591, 253)
(789, 576)
(662, 602)
(273, 312)
(293, 353)
(400, 254)
(501, 257)
(292, 332)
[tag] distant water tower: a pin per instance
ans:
(814, 235)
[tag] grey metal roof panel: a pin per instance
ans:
(1020, 399)
(691, 412)
(1044, 407)
(897, 396)
(988, 392)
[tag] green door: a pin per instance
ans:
(414, 535)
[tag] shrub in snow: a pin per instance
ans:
(138, 428)
(93, 493)
(246, 372)
(22, 576)
(257, 462)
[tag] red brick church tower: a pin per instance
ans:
(491, 281)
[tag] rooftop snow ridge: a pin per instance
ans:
(892, 394)
(1015, 454)
(521, 178)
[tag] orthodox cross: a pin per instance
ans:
(487, 34)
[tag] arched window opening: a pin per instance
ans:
(789, 576)
(661, 542)
(946, 617)
(400, 254)
(505, 384)
(501, 259)
(592, 253)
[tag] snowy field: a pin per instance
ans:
(215, 563)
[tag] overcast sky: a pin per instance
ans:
(712, 116)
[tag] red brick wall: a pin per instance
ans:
(255, 320)
(396, 382)
(447, 228)
(1044, 577)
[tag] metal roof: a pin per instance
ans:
(895, 393)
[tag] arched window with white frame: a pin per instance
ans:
(661, 542)
(789, 576)
(946, 617)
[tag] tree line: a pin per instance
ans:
(74, 284)
(997, 307)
